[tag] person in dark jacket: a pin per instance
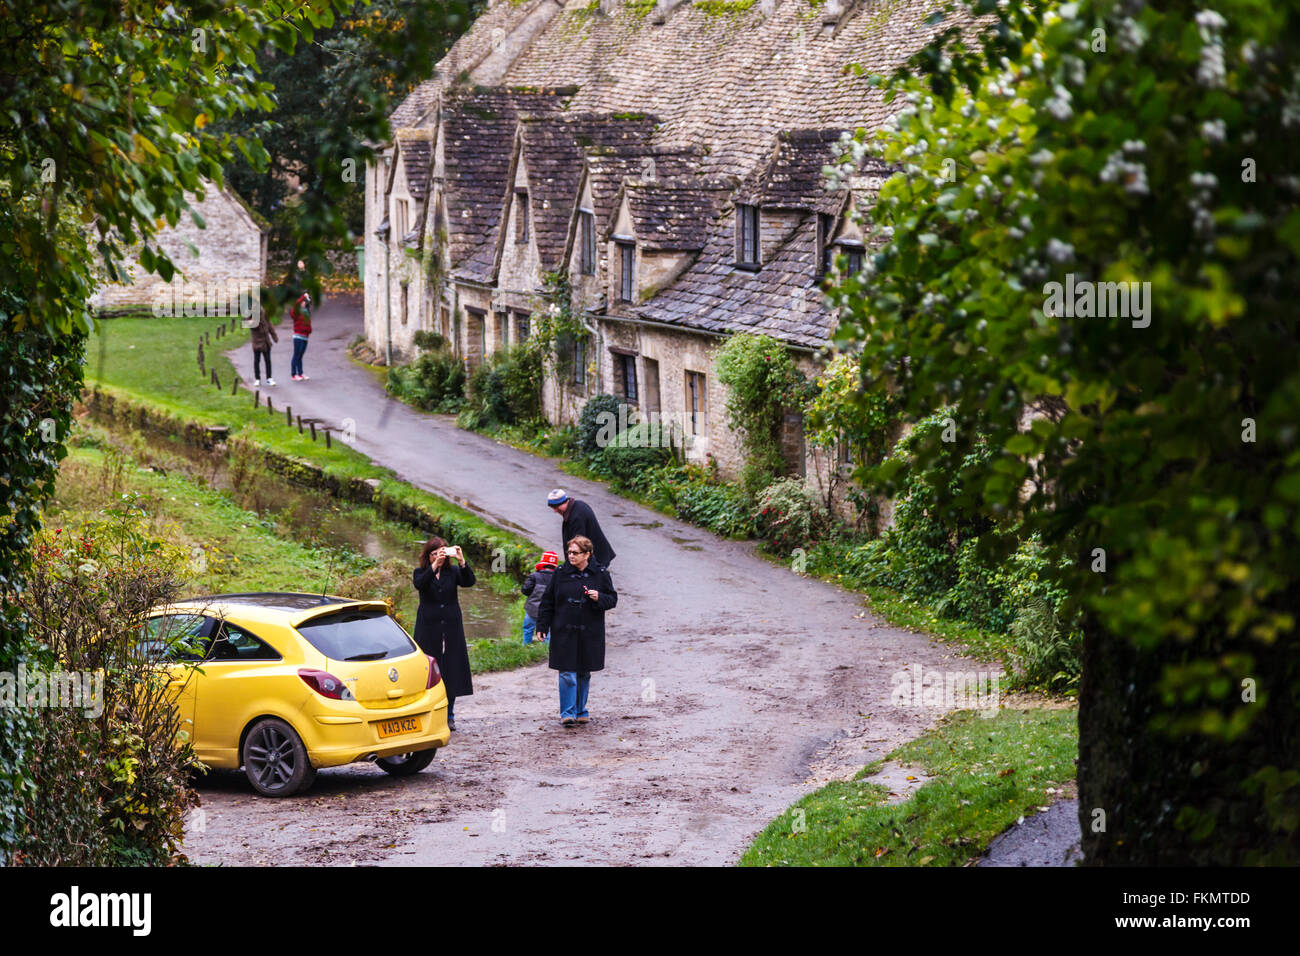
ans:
(535, 586)
(580, 521)
(439, 629)
(572, 612)
(261, 336)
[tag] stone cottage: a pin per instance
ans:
(222, 260)
(668, 161)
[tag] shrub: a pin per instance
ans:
(435, 381)
(504, 390)
(113, 788)
(1048, 651)
(721, 509)
(428, 340)
(786, 515)
(630, 455)
(590, 422)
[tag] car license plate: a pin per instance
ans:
(402, 725)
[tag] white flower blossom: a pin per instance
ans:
(1059, 251)
(1131, 35)
(1214, 131)
(1059, 104)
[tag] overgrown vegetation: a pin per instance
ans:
(108, 778)
(762, 383)
(435, 381)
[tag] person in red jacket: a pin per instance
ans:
(301, 314)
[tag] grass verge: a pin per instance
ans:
(989, 773)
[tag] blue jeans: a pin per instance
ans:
(451, 705)
(295, 363)
(573, 693)
(530, 628)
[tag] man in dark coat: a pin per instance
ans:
(572, 612)
(579, 519)
(439, 628)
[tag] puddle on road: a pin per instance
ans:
(648, 525)
(686, 544)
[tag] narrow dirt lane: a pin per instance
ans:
(731, 688)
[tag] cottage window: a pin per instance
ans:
(521, 215)
(625, 376)
(522, 326)
(580, 361)
(854, 257)
(627, 258)
(747, 236)
(587, 236)
(503, 329)
(826, 256)
(405, 301)
(697, 403)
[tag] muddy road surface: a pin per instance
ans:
(732, 687)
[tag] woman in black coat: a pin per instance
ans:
(439, 629)
(573, 614)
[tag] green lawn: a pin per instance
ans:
(989, 772)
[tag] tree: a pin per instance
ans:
(1120, 143)
(356, 68)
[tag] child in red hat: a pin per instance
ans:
(535, 586)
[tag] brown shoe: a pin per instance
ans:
(568, 721)
(583, 720)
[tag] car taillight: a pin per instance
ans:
(435, 675)
(325, 684)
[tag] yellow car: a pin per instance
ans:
(283, 684)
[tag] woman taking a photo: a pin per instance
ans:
(573, 614)
(439, 629)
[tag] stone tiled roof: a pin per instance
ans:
(730, 79)
(415, 152)
(782, 299)
(607, 167)
(674, 214)
(793, 176)
(472, 51)
(478, 130)
(552, 150)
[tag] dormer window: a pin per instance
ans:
(587, 242)
(627, 266)
(826, 257)
(521, 215)
(747, 236)
(854, 256)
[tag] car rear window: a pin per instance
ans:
(357, 634)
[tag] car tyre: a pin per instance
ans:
(275, 759)
(406, 765)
